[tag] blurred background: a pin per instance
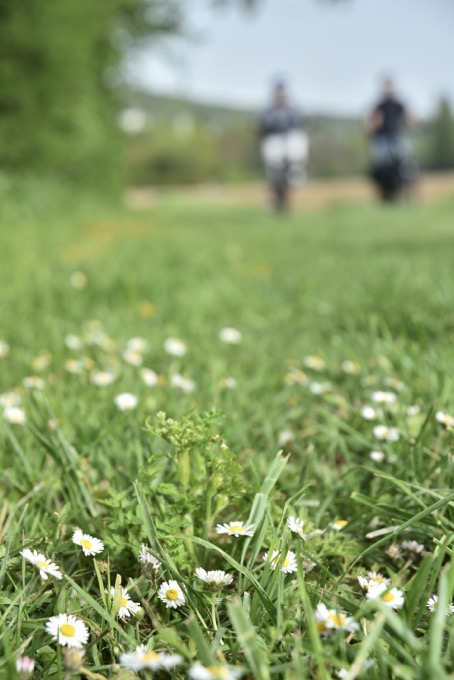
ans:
(147, 93)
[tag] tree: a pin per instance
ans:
(441, 145)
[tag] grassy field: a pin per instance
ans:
(345, 319)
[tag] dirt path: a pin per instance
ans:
(315, 195)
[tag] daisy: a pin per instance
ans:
(350, 367)
(413, 410)
(44, 565)
(143, 658)
(296, 377)
(73, 342)
(126, 401)
(285, 437)
(74, 366)
(432, 605)
(9, 399)
(388, 434)
(393, 598)
(384, 397)
(127, 606)
(149, 377)
(137, 344)
(339, 621)
(90, 545)
(338, 524)
(171, 594)
(145, 557)
(185, 384)
(132, 356)
(14, 415)
(214, 579)
(33, 383)
(235, 528)
(413, 547)
(296, 525)
(314, 362)
(372, 579)
(175, 347)
(78, 280)
(67, 630)
(218, 672)
(377, 456)
(320, 388)
(24, 667)
(445, 419)
(41, 362)
(231, 336)
(229, 383)
(287, 566)
(4, 349)
(369, 413)
(102, 378)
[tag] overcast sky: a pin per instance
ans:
(332, 56)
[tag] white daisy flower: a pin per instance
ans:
(145, 659)
(387, 434)
(180, 382)
(4, 349)
(285, 437)
(67, 630)
(384, 397)
(9, 400)
(229, 383)
(320, 388)
(445, 419)
(373, 579)
(339, 621)
(175, 347)
(338, 524)
(314, 362)
(235, 528)
(214, 579)
(126, 401)
(149, 377)
(171, 594)
(413, 410)
(377, 456)
(145, 557)
(90, 545)
(296, 377)
(350, 367)
(432, 605)
(102, 378)
(127, 606)
(137, 344)
(413, 547)
(24, 667)
(231, 336)
(74, 366)
(296, 525)
(78, 280)
(41, 362)
(393, 598)
(73, 342)
(369, 413)
(32, 382)
(46, 567)
(217, 672)
(289, 564)
(132, 357)
(14, 415)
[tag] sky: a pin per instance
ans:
(332, 55)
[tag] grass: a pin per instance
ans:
(368, 284)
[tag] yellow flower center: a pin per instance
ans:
(337, 619)
(378, 579)
(321, 627)
(150, 656)
(68, 630)
(42, 565)
(172, 594)
(236, 528)
(124, 602)
(85, 543)
(389, 597)
(218, 672)
(341, 522)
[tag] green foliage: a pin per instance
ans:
(440, 152)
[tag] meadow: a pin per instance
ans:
(226, 443)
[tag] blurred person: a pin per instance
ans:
(394, 167)
(284, 146)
